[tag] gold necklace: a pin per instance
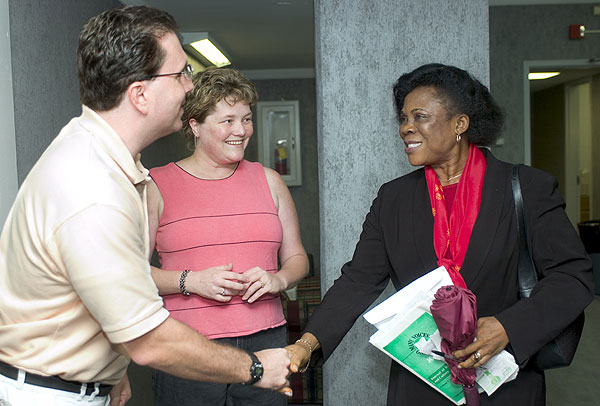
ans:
(452, 177)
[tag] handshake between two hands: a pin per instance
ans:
(280, 363)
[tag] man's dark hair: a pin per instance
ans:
(116, 48)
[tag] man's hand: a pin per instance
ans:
(120, 393)
(276, 363)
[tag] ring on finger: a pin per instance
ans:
(477, 356)
(223, 292)
(262, 284)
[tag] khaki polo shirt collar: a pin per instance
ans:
(114, 146)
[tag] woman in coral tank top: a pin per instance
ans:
(227, 237)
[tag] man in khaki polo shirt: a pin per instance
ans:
(77, 299)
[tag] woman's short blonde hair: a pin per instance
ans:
(210, 87)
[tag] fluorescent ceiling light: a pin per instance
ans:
(211, 52)
(542, 75)
(202, 43)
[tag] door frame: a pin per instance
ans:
(573, 162)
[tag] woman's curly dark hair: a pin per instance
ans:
(461, 93)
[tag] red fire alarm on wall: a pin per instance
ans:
(576, 31)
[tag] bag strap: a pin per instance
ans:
(526, 269)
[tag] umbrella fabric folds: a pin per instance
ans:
(454, 310)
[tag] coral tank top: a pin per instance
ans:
(206, 223)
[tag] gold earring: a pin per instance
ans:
(458, 137)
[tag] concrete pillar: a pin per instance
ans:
(362, 47)
(8, 154)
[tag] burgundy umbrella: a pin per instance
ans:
(454, 310)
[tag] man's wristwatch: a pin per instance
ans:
(256, 369)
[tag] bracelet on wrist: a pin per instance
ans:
(182, 282)
(310, 351)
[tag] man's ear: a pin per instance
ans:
(137, 95)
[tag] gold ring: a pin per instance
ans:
(262, 284)
(477, 356)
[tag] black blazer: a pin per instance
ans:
(397, 243)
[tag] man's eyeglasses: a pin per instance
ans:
(188, 72)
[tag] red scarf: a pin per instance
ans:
(451, 237)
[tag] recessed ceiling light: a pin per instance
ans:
(542, 75)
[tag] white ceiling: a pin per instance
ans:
(265, 34)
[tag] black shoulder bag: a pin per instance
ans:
(560, 351)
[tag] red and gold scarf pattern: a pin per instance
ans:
(451, 235)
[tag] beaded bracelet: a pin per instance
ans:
(182, 282)
(310, 351)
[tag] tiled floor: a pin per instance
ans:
(578, 385)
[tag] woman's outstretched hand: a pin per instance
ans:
(301, 352)
(299, 357)
(217, 283)
(490, 340)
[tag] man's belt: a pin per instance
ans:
(53, 382)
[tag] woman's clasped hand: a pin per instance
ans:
(490, 340)
(221, 284)
(218, 283)
(261, 282)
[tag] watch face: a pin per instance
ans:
(258, 370)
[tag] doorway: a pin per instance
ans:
(560, 131)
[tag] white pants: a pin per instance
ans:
(18, 393)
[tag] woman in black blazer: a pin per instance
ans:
(470, 228)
